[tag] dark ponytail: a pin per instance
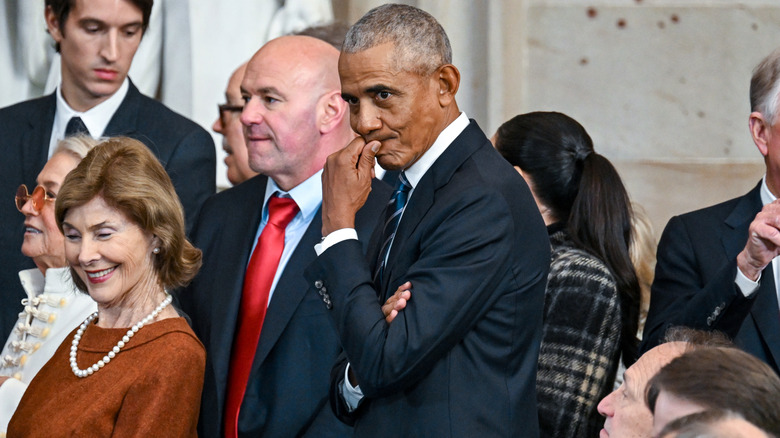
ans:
(584, 190)
(600, 223)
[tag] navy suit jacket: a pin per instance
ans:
(460, 359)
(287, 391)
(694, 280)
(185, 149)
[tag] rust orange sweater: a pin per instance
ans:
(151, 388)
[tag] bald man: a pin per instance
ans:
(273, 382)
(627, 414)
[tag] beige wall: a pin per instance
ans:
(661, 85)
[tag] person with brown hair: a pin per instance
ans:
(126, 247)
(716, 378)
(97, 41)
(712, 424)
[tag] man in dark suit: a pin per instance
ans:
(293, 118)
(717, 267)
(460, 359)
(97, 41)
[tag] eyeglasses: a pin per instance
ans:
(38, 196)
(226, 109)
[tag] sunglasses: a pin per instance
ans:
(225, 110)
(38, 197)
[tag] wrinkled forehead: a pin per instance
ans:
(640, 373)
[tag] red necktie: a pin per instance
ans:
(254, 302)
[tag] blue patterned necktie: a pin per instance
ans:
(392, 217)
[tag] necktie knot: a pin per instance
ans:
(403, 185)
(75, 126)
(281, 211)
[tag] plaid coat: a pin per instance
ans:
(580, 342)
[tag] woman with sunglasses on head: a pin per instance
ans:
(53, 306)
(134, 367)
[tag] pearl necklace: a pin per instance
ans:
(119, 345)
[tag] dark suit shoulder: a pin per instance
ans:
(28, 109)
(154, 112)
(225, 203)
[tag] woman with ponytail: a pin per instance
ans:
(592, 298)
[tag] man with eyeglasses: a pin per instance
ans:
(97, 40)
(229, 125)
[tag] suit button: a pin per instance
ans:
(318, 284)
(323, 289)
(326, 300)
(709, 320)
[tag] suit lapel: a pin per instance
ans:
(125, 120)
(35, 146)
(289, 291)
(738, 222)
(234, 240)
(423, 197)
(765, 311)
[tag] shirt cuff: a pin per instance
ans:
(747, 286)
(334, 238)
(352, 395)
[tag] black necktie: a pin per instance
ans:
(76, 126)
(392, 218)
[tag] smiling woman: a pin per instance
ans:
(125, 244)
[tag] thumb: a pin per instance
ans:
(366, 163)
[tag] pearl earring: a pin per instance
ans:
(156, 250)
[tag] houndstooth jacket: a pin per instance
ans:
(580, 342)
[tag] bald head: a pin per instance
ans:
(625, 410)
(303, 60)
(294, 116)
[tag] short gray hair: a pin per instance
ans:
(765, 87)
(421, 45)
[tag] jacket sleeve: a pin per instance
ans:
(682, 293)
(456, 274)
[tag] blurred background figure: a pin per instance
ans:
(332, 33)
(229, 125)
(592, 297)
(642, 251)
(716, 378)
(133, 366)
(53, 306)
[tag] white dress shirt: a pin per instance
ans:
(308, 196)
(95, 119)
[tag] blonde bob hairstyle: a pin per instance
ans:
(128, 177)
